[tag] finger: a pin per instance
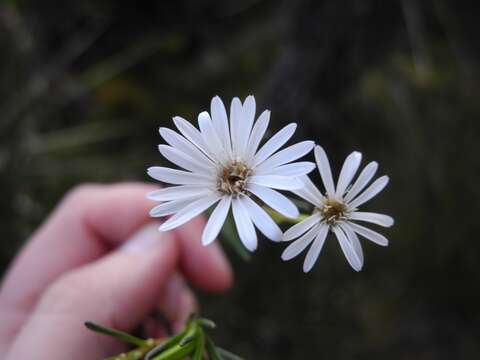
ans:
(205, 266)
(176, 305)
(178, 302)
(86, 224)
(117, 291)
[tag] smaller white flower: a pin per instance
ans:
(337, 211)
(224, 165)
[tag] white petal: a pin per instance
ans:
(262, 220)
(309, 192)
(171, 207)
(189, 212)
(274, 143)
(369, 193)
(315, 249)
(353, 238)
(275, 200)
(325, 170)
(374, 218)
(179, 142)
(244, 225)
(276, 182)
(210, 137)
(178, 192)
(369, 234)
(220, 122)
(363, 179)
(300, 244)
(191, 133)
(287, 155)
(256, 136)
(216, 220)
(236, 114)
(245, 127)
(300, 228)
(348, 249)
(179, 177)
(349, 168)
(185, 161)
(294, 170)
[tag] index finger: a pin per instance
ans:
(89, 222)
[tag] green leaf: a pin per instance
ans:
(123, 336)
(176, 352)
(230, 235)
(165, 345)
(207, 323)
(200, 345)
(185, 345)
(211, 349)
(227, 355)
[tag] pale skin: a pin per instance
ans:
(99, 257)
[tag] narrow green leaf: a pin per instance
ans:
(186, 340)
(123, 336)
(211, 349)
(200, 345)
(165, 345)
(207, 323)
(227, 355)
(184, 344)
(176, 352)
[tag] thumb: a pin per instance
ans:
(118, 291)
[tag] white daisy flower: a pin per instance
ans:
(222, 165)
(337, 211)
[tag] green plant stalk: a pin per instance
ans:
(279, 218)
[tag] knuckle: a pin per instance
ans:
(82, 191)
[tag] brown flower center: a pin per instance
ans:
(332, 211)
(233, 178)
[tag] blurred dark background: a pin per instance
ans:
(84, 85)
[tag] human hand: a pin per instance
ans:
(99, 257)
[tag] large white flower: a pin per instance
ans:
(337, 211)
(223, 166)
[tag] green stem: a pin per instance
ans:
(279, 218)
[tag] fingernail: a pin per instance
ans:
(143, 240)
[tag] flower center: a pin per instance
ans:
(332, 211)
(233, 178)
